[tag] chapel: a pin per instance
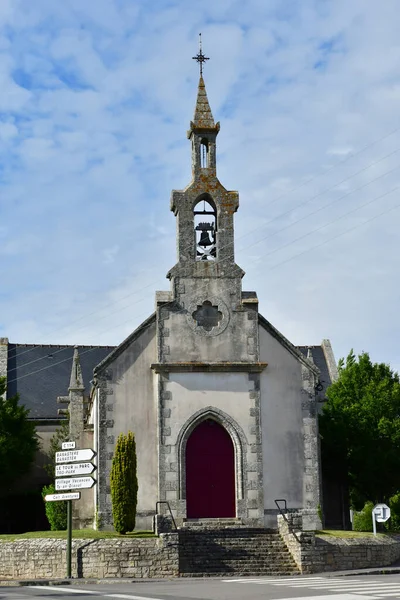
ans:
(223, 407)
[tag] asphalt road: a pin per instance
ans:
(367, 587)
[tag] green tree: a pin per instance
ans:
(18, 439)
(360, 429)
(124, 484)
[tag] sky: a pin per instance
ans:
(96, 98)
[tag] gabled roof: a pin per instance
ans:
(288, 345)
(125, 344)
(40, 373)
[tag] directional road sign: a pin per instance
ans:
(74, 469)
(55, 497)
(75, 483)
(74, 455)
(68, 445)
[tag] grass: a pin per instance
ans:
(347, 534)
(85, 534)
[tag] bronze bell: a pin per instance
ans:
(205, 239)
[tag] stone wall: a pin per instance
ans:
(339, 554)
(159, 557)
(318, 553)
(133, 558)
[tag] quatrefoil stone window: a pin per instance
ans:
(207, 315)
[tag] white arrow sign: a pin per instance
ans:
(74, 469)
(75, 455)
(75, 483)
(68, 445)
(55, 497)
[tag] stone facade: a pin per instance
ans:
(205, 354)
(123, 399)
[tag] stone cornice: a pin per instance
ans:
(207, 367)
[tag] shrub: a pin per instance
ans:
(56, 512)
(124, 485)
(362, 521)
(394, 522)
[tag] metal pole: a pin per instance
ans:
(373, 522)
(69, 537)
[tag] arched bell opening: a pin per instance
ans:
(204, 154)
(205, 228)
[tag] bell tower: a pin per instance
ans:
(206, 284)
(208, 351)
(204, 209)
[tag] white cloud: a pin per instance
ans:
(94, 109)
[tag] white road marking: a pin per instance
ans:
(278, 579)
(349, 585)
(321, 581)
(129, 597)
(57, 588)
(360, 587)
(356, 588)
(333, 597)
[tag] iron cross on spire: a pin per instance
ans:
(200, 58)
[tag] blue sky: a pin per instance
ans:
(95, 103)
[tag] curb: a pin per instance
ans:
(76, 581)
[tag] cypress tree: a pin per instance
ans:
(124, 484)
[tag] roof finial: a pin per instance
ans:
(200, 58)
(76, 381)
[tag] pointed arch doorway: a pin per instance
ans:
(210, 472)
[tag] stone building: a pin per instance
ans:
(223, 406)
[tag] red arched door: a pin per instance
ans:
(210, 472)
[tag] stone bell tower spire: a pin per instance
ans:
(203, 133)
(205, 209)
(206, 296)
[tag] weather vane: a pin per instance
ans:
(200, 58)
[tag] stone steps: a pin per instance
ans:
(233, 551)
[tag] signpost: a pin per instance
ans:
(58, 497)
(75, 455)
(69, 454)
(75, 483)
(380, 514)
(75, 469)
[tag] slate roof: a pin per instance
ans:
(40, 373)
(320, 362)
